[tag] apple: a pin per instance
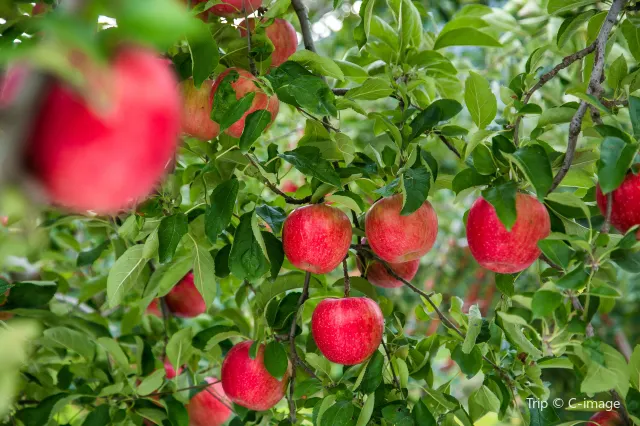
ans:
(289, 186)
(349, 330)
(235, 7)
(196, 110)
(184, 300)
(316, 238)
(169, 370)
(246, 84)
(606, 418)
(499, 250)
(210, 406)
(154, 308)
(247, 382)
(110, 146)
(396, 238)
(39, 8)
(378, 275)
(282, 35)
(626, 200)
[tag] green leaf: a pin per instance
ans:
(410, 24)
(170, 232)
(318, 64)
(275, 252)
(480, 100)
(634, 367)
(247, 259)
(416, 183)
(206, 339)
(99, 416)
(124, 274)
(469, 178)
(617, 72)
(151, 383)
(544, 302)
(473, 330)
(557, 251)
(275, 359)
(30, 294)
(505, 284)
(534, 163)
(176, 412)
(515, 335)
(465, 37)
(274, 216)
(367, 411)
(634, 113)
(166, 276)
(561, 6)
(204, 274)
(362, 31)
(616, 157)
(204, 54)
(437, 112)
(606, 369)
(308, 161)
(483, 401)
(629, 260)
(179, 348)
(373, 373)
(470, 363)
(71, 340)
(255, 123)
(116, 352)
(483, 160)
(339, 414)
(503, 199)
(218, 214)
(371, 89)
(269, 290)
(87, 257)
(422, 416)
(632, 35)
(571, 25)
(576, 279)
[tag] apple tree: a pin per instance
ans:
(371, 212)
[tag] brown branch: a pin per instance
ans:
(622, 410)
(305, 25)
(449, 145)
(595, 88)
(252, 63)
(606, 226)
(550, 262)
(292, 347)
(275, 189)
(347, 280)
(615, 103)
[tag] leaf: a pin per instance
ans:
(483, 160)
(151, 383)
(576, 279)
(275, 359)
(179, 348)
(274, 216)
(606, 369)
(632, 35)
(339, 414)
(470, 363)
(218, 214)
(557, 251)
(268, 290)
(87, 257)
(204, 274)
(247, 259)
(373, 373)
(204, 55)
(634, 367)
(503, 199)
(416, 183)
(422, 416)
(480, 100)
(483, 401)
(362, 31)
(465, 37)
(408, 18)
(166, 276)
(71, 340)
(634, 113)
(629, 260)
(206, 339)
(170, 232)
(176, 412)
(469, 178)
(545, 302)
(308, 161)
(571, 25)
(437, 112)
(371, 89)
(616, 157)
(116, 352)
(534, 163)
(30, 294)
(515, 335)
(617, 72)
(99, 416)
(124, 274)
(318, 64)
(561, 6)
(505, 284)
(473, 330)
(275, 252)
(255, 123)
(367, 411)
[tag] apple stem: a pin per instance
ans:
(347, 279)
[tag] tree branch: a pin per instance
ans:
(292, 347)
(449, 145)
(252, 63)
(347, 280)
(275, 189)
(305, 25)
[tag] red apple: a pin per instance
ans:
(235, 7)
(246, 84)
(349, 330)
(289, 186)
(282, 35)
(196, 110)
(210, 406)
(105, 152)
(502, 251)
(316, 238)
(170, 372)
(606, 418)
(396, 238)
(154, 308)
(378, 275)
(39, 9)
(625, 211)
(247, 382)
(184, 300)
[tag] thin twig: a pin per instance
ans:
(305, 25)
(275, 189)
(550, 262)
(347, 279)
(252, 63)
(606, 226)
(449, 145)
(292, 346)
(578, 307)
(621, 408)
(393, 371)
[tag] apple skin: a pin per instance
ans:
(39, 9)
(316, 238)
(184, 300)
(625, 211)
(396, 238)
(87, 159)
(242, 86)
(207, 408)
(235, 7)
(282, 35)
(247, 382)
(605, 418)
(378, 275)
(196, 110)
(349, 330)
(499, 250)
(170, 372)
(289, 186)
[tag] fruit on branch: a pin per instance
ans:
(349, 330)
(246, 84)
(626, 200)
(503, 251)
(210, 406)
(169, 370)
(289, 186)
(378, 275)
(606, 418)
(184, 300)
(282, 35)
(396, 238)
(154, 308)
(235, 7)
(196, 110)
(104, 152)
(316, 238)
(247, 382)
(39, 8)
